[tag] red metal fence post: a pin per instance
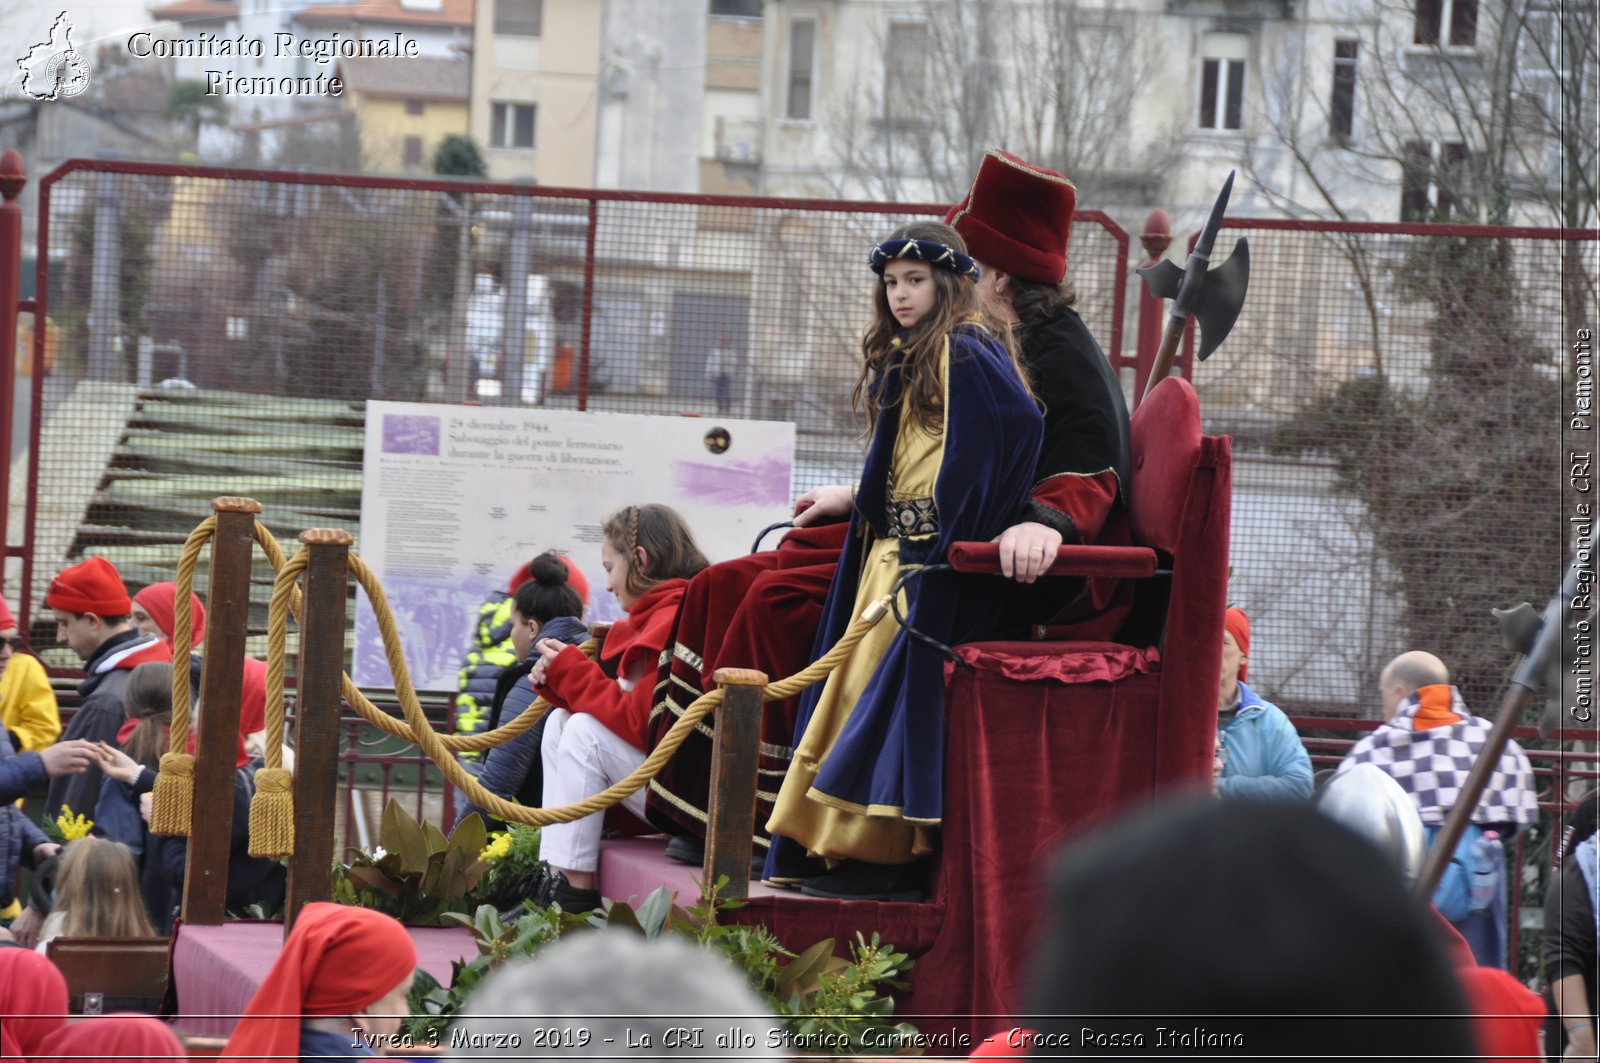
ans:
(1155, 239)
(12, 179)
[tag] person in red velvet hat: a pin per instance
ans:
(492, 650)
(1016, 220)
(28, 709)
(93, 617)
(763, 611)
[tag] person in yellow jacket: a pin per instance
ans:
(28, 709)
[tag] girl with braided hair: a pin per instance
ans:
(598, 726)
(954, 441)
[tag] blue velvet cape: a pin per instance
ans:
(891, 751)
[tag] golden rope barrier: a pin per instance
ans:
(271, 812)
(173, 797)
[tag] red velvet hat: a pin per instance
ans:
(92, 586)
(1017, 218)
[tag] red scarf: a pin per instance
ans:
(123, 1038)
(636, 641)
(337, 961)
(35, 1002)
(160, 601)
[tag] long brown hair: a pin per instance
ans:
(667, 542)
(148, 699)
(956, 302)
(1031, 300)
(98, 888)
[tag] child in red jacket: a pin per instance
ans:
(598, 726)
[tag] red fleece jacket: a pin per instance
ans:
(635, 642)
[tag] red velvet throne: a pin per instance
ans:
(1046, 739)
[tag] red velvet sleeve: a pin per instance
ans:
(576, 683)
(1072, 502)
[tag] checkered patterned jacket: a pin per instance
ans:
(1432, 765)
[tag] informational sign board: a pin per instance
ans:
(455, 499)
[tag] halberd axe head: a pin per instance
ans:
(1219, 298)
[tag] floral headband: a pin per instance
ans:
(930, 251)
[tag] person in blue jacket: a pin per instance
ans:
(1263, 754)
(21, 842)
(546, 606)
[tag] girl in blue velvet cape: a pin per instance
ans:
(955, 435)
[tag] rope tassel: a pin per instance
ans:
(173, 799)
(272, 814)
(272, 807)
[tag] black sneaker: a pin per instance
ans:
(856, 880)
(687, 849)
(554, 889)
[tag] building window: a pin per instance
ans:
(1430, 192)
(511, 125)
(1450, 190)
(518, 18)
(414, 107)
(1222, 94)
(1543, 54)
(1454, 22)
(412, 153)
(1342, 105)
(737, 8)
(905, 71)
(802, 60)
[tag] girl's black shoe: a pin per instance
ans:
(857, 880)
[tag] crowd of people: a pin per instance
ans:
(990, 415)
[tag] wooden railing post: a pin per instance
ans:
(731, 815)
(316, 726)
(205, 879)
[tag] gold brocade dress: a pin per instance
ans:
(825, 825)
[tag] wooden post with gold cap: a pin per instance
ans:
(205, 879)
(316, 723)
(731, 812)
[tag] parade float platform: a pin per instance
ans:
(216, 969)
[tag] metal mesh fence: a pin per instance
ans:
(1394, 393)
(1395, 399)
(218, 333)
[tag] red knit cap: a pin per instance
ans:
(93, 586)
(1017, 218)
(1235, 623)
(6, 619)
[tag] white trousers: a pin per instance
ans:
(581, 758)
